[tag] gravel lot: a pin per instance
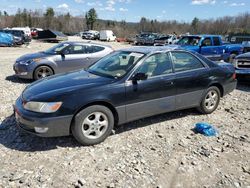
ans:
(161, 151)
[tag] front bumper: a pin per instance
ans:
(243, 74)
(31, 122)
(23, 71)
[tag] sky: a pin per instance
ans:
(133, 10)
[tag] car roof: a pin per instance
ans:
(202, 36)
(91, 43)
(152, 49)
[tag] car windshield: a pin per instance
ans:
(57, 49)
(116, 65)
(193, 41)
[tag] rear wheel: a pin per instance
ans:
(93, 125)
(210, 100)
(42, 72)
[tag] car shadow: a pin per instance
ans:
(14, 138)
(15, 79)
(243, 86)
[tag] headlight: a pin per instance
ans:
(235, 62)
(25, 62)
(29, 61)
(43, 107)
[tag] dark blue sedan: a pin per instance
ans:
(124, 86)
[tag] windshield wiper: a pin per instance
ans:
(100, 74)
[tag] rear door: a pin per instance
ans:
(154, 95)
(218, 47)
(191, 79)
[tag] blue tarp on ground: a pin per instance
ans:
(6, 39)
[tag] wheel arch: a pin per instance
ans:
(102, 103)
(219, 86)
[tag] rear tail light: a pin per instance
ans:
(234, 76)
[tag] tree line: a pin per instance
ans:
(73, 24)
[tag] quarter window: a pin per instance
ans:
(216, 41)
(157, 64)
(184, 62)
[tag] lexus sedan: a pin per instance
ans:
(64, 57)
(122, 87)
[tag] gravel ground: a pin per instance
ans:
(160, 151)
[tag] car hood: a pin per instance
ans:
(63, 84)
(243, 56)
(32, 56)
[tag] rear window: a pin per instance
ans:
(97, 49)
(216, 41)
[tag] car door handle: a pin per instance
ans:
(169, 83)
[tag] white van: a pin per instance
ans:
(107, 35)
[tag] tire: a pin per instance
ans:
(93, 125)
(42, 72)
(232, 57)
(207, 105)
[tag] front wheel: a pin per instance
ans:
(93, 125)
(42, 72)
(210, 100)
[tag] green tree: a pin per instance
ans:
(5, 13)
(194, 24)
(91, 17)
(49, 15)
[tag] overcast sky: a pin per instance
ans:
(133, 10)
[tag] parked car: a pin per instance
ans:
(211, 46)
(246, 46)
(18, 36)
(34, 32)
(64, 57)
(107, 35)
(165, 40)
(146, 38)
(242, 66)
(91, 35)
(6, 39)
(26, 30)
(126, 85)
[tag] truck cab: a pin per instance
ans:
(211, 46)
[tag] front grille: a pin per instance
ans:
(243, 63)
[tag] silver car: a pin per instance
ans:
(64, 57)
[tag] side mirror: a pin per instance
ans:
(139, 76)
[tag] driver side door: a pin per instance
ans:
(154, 95)
(73, 58)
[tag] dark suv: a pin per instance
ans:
(121, 87)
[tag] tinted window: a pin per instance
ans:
(155, 65)
(216, 41)
(78, 49)
(189, 40)
(97, 49)
(207, 42)
(184, 61)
